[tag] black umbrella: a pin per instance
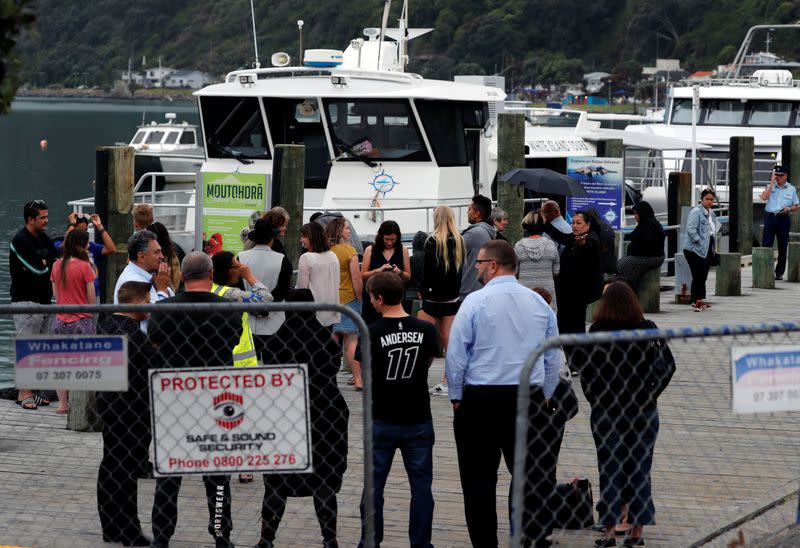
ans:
(543, 181)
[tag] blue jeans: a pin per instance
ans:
(777, 226)
(415, 442)
(625, 456)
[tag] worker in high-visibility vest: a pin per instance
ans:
(227, 272)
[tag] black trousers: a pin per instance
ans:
(484, 428)
(165, 507)
(777, 226)
(126, 439)
(274, 505)
(699, 267)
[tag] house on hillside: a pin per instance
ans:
(594, 81)
(154, 77)
(132, 78)
(193, 79)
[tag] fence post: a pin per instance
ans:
(740, 181)
(729, 275)
(288, 177)
(790, 153)
(763, 268)
(510, 155)
(679, 194)
(793, 262)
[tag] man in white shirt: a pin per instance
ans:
(146, 264)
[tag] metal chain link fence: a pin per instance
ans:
(198, 395)
(689, 469)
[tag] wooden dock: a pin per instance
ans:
(711, 467)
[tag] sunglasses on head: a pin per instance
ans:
(36, 203)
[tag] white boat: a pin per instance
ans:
(374, 135)
(168, 147)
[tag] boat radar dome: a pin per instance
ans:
(280, 59)
(323, 58)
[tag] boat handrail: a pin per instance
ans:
(277, 72)
(741, 82)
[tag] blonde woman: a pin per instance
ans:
(350, 289)
(441, 279)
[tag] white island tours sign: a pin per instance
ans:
(765, 379)
(72, 362)
(229, 420)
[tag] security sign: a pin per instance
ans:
(229, 420)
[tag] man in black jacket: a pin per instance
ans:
(126, 427)
(31, 256)
(194, 339)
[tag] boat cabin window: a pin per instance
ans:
(379, 130)
(770, 113)
(682, 112)
(172, 138)
(297, 121)
(234, 128)
(139, 137)
(187, 137)
(445, 124)
(154, 137)
(724, 112)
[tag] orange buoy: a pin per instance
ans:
(43, 145)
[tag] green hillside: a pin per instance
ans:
(76, 42)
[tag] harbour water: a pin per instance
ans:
(64, 171)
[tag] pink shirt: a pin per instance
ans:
(79, 273)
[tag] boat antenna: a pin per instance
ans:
(402, 46)
(386, 7)
(255, 37)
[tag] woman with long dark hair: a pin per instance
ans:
(646, 250)
(622, 382)
(387, 253)
(580, 279)
(73, 283)
(301, 339)
(170, 251)
(699, 247)
(318, 270)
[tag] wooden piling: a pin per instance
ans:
(679, 194)
(288, 177)
(763, 268)
(610, 148)
(510, 155)
(114, 168)
(729, 275)
(740, 181)
(793, 262)
(650, 291)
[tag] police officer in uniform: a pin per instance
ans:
(781, 198)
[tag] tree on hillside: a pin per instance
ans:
(14, 17)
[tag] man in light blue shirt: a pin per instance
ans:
(781, 198)
(493, 333)
(146, 264)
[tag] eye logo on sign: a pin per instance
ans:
(228, 410)
(383, 183)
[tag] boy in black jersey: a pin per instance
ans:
(403, 348)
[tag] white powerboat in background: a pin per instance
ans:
(168, 147)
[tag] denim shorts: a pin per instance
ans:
(346, 325)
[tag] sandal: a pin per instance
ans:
(631, 542)
(29, 404)
(605, 542)
(351, 381)
(41, 401)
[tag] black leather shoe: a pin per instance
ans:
(778, 277)
(160, 544)
(139, 540)
(222, 542)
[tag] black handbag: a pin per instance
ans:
(572, 504)
(563, 403)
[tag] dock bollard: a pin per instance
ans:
(793, 262)
(763, 268)
(729, 275)
(649, 293)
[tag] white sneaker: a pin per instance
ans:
(439, 390)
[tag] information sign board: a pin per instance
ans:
(228, 201)
(765, 379)
(603, 180)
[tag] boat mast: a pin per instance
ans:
(386, 7)
(402, 43)
(255, 38)
(738, 61)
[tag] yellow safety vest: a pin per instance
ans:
(244, 353)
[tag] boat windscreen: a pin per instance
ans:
(375, 130)
(172, 138)
(682, 112)
(234, 128)
(187, 137)
(139, 137)
(154, 138)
